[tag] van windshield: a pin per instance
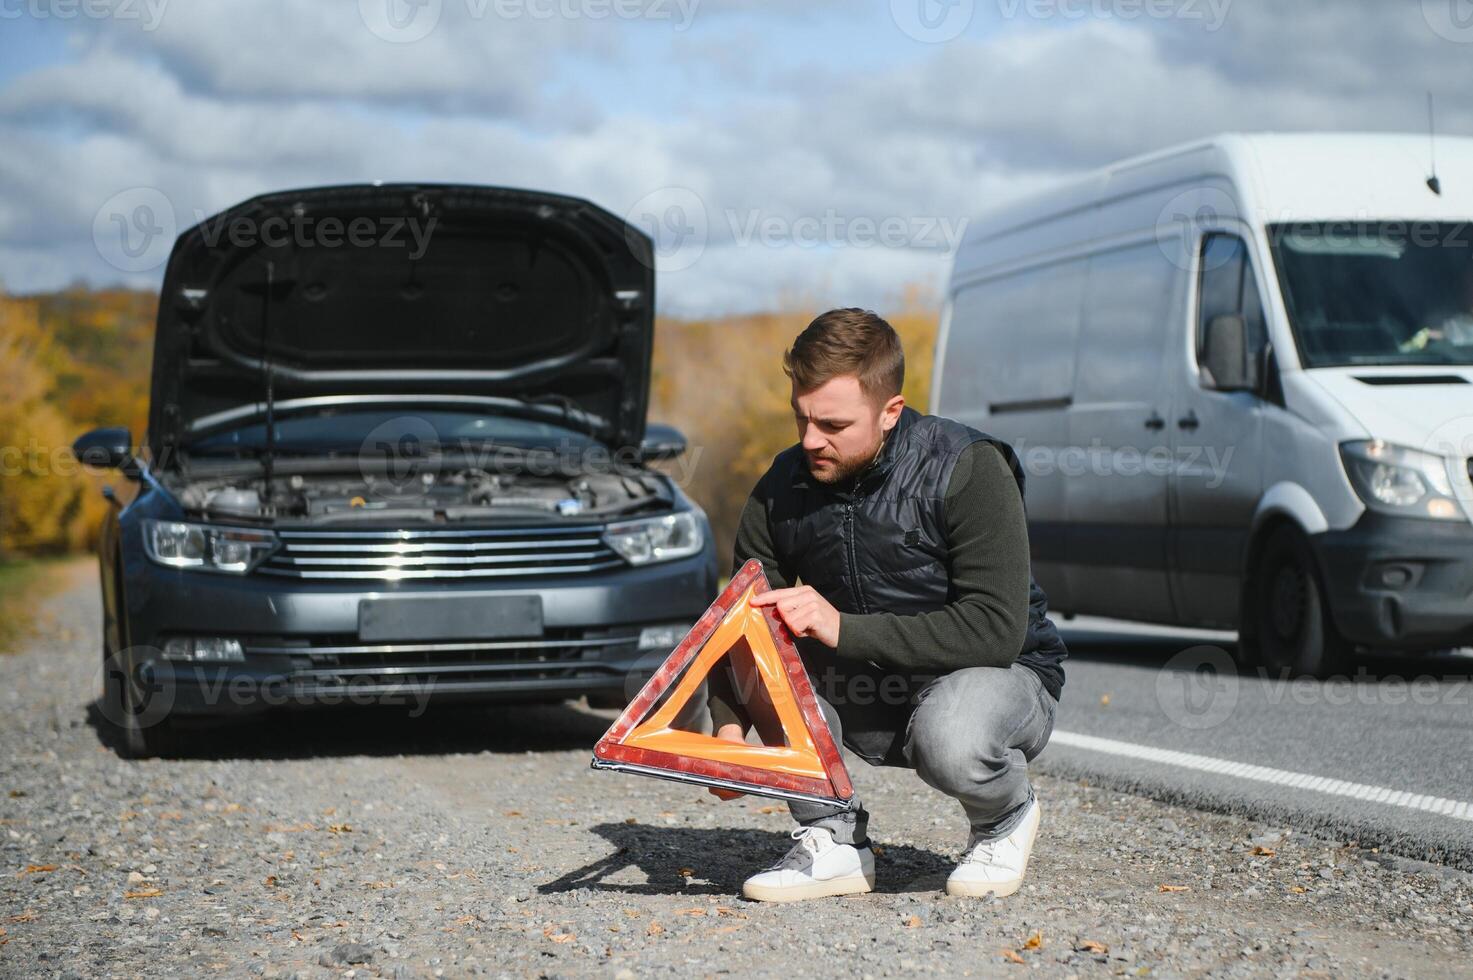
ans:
(1390, 292)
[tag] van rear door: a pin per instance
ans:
(1117, 472)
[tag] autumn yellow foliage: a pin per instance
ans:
(69, 362)
(77, 359)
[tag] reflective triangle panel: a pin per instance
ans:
(798, 760)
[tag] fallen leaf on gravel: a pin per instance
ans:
(270, 881)
(1034, 941)
(1104, 700)
(1011, 955)
(1298, 889)
(686, 872)
(144, 893)
(633, 913)
(36, 869)
(725, 910)
(511, 813)
(690, 912)
(339, 828)
(16, 794)
(1092, 946)
(914, 922)
(1260, 851)
(1173, 888)
(770, 809)
(380, 884)
(551, 933)
(467, 919)
(654, 930)
(631, 820)
(28, 915)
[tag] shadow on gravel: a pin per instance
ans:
(381, 731)
(721, 859)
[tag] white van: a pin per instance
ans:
(1237, 374)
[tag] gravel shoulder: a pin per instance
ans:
(477, 841)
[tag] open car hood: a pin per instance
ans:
(514, 300)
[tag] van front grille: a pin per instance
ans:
(441, 553)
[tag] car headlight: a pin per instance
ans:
(1398, 480)
(656, 538)
(234, 550)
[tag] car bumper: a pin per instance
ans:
(1400, 582)
(302, 644)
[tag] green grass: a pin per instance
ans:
(23, 582)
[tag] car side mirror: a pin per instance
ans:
(107, 448)
(662, 442)
(1226, 354)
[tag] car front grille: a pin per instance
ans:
(440, 553)
(570, 656)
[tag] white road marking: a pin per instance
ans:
(1458, 809)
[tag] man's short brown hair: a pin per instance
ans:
(848, 341)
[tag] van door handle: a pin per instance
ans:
(1188, 421)
(1155, 422)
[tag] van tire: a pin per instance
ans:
(1288, 623)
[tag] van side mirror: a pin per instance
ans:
(107, 448)
(661, 442)
(1226, 353)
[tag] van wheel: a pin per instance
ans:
(1291, 629)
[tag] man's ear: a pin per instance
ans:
(890, 414)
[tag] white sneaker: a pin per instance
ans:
(996, 866)
(816, 866)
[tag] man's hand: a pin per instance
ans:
(731, 733)
(805, 611)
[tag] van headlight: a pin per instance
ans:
(234, 550)
(1402, 481)
(657, 538)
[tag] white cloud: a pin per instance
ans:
(213, 108)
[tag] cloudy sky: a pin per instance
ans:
(831, 150)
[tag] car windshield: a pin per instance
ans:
(1366, 293)
(375, 430)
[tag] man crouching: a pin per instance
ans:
(918, 619)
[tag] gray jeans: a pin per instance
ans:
(969, 734)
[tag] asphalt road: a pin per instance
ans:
(1382, 756)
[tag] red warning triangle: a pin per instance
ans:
(798, 760)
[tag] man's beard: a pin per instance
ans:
(843, 469)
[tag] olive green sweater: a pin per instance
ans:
(987, 555)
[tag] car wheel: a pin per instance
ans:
(1291, 628)
(139, 734)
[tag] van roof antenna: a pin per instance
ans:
(1433, 184)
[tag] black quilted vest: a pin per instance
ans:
(879, 543)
